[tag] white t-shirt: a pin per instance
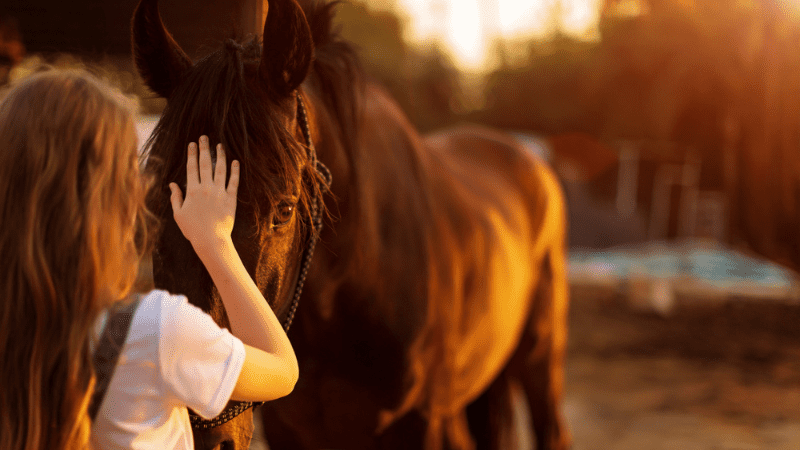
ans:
(175, 356)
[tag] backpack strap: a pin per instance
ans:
(108, 349)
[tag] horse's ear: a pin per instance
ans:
(288, 47)
(159, 59)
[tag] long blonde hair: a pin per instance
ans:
(72, 213)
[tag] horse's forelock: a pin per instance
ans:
(221, 98)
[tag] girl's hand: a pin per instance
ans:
(206, 215)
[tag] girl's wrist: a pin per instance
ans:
(214, 248)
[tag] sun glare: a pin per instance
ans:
(469, 28)
(465, 35)
(525, 19)
(580, 18)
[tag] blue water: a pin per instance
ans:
(702, 260)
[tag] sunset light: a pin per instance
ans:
(465, 34)
(469, 30)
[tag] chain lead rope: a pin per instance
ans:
(316, 219)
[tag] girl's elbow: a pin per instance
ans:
(294, 375)
(287, 384)
(291, 373)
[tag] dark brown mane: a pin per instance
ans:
(336, 73)
(219, 98)
(391, 231)
(364, 121)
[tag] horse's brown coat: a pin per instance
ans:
(438, 259)
(440, 281)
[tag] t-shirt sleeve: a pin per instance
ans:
(200, 362)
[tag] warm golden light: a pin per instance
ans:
(465, 34)
(580, 18)
(469, 29)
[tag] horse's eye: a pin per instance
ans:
(283, 215)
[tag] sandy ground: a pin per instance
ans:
(713, 375)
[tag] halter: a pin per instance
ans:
(316, 218)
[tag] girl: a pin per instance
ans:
(72, 213)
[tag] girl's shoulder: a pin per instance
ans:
(150, 314)
(156, 310)
(160, 299)
(165, 307)
(176, 324)
(171, 308)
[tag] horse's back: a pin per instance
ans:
(483, 169)
(505, 210)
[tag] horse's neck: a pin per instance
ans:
(383, 169)
(380, 187)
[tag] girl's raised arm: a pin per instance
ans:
(206, 218)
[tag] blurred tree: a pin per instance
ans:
(720, 77)
(763, 137)
(555, 92)
(424, 82)
(730, 87)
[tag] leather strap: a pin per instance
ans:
(108, 349)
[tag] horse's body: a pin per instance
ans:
(439, 284)
(465, 226)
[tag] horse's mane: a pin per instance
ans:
(387, 190)
(390, 200)
(222, 99)
(336, 73)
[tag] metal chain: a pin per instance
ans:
(225, 416)
(316, 216)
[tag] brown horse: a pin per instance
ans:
(440, 286)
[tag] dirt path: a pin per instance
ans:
(710, 376)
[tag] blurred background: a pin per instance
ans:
(674, 127)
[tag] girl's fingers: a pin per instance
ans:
(192, 177)
(219, 171)
(176, 198)
(233, 183)
(205, 161)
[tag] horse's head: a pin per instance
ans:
(247, 97)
